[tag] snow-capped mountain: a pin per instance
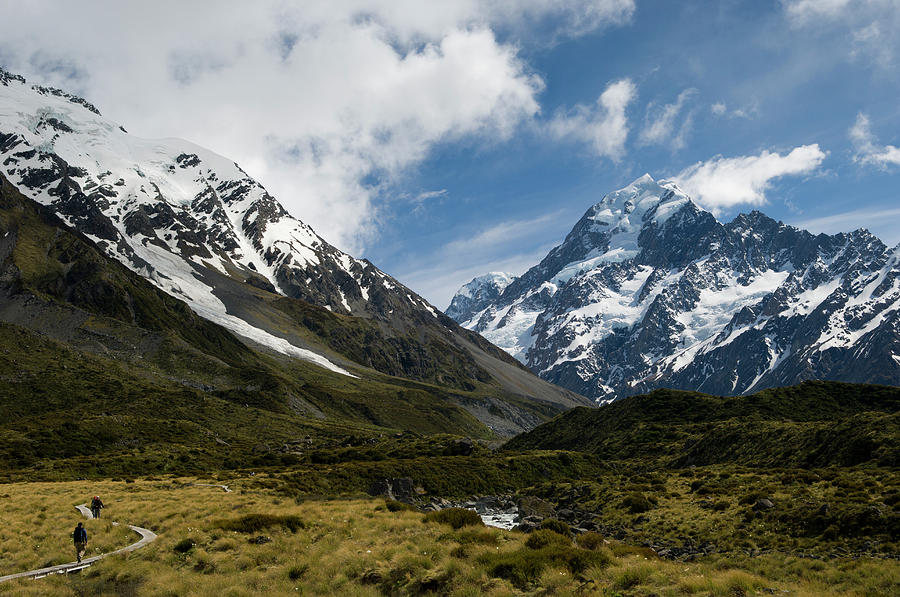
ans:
(477, 294)
(171, 211)
(201, 229)
(648, 290)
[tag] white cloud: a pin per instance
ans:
(750, 110)
(659, 122)
(871, 25)
(866, 145)
(801, 11)
(604, 126)
(722, 183)
(324, 102)
(426, 195)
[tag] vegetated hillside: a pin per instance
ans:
(812, 424)
(98, 364)
(201, 229)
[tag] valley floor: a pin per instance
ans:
(256, 540)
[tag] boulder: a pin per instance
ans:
(401, 489)
(763, 504)
(461, 447)
(534, 506)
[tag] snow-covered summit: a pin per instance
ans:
(476, 294)
(649, 290)
(178, 214)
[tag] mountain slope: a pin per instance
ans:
(648, 290)
(813, 424)
(199, 228)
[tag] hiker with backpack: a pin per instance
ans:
(96, 506)
(80, 536)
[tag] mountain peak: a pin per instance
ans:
(473, 296)
(649, 290)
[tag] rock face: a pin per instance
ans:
(198, 227)
(478, 294)
(648, 290)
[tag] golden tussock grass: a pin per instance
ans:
(353, 547)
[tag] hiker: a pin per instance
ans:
(96, 505)
(80, 536)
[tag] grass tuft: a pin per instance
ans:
(455, 517)
(253, 523)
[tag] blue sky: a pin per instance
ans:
(443, 140)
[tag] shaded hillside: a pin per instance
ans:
(815, 423)
(85, 335)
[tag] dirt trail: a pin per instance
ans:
(146, 537)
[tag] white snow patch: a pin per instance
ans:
(716, 307)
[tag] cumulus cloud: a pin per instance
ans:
(723, 183)
(325, 103)
(868, 151)
(659, 122)
(604, 126)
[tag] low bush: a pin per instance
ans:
(637, 503)
(395, 506)
(455, 517)
(473, 536)
(523, 568)
(557, 526)
(184, 546)
(253, 523)
(544, 537)
(751, 498)
(590, 540)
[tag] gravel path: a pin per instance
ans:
(146, 537)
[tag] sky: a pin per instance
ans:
(445, 139)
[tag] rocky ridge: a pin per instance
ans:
(649, 290)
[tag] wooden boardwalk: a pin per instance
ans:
(146, 537)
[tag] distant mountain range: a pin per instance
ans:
(650, 291)
(200, 229)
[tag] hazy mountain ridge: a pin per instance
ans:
(649, 290)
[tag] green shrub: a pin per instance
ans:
(455, 517)
(751, 498)
(637, 503)
(632, 577)
(184, 546)
(253, 523)
(470, 536)
(590, 540)
(557, 526)
(544, 537)
(523, 567)
(395, 506)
